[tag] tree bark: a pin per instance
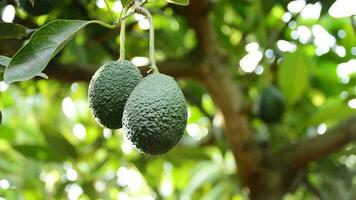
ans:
(300, 154)
(228, 98)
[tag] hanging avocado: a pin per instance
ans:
(155, 114)
(109, 89)
(271, 104)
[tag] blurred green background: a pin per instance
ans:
(51, 147)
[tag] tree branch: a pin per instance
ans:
(308, 150)
(225, 93)
(227, 96)
(196, 15)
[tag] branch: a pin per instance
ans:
(196, 15)
(308, 150)
(228, 97)
(225, 93)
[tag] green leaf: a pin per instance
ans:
(43, 45)
(4, 61)
(57, 143)
(179, 2)
(208, 173)
(332, 111)
(9, 30)
(89, 189)
(33, 151)
(6, 132)
(293, 75)
(220, 191)
(126, 2)
(60, 147)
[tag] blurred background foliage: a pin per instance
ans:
(51, 148)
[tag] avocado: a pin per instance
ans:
(109, 89)
(155, 115)
(40, 7)
(271, 106)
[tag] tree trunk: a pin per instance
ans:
(267, 195)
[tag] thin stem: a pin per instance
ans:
(128, 15)
(110, 11)
(122, 40)
(123, 34)
(110, 26)
(152, 38)
(134, 6)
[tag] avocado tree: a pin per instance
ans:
(270, 87)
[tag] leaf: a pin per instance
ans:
(43, 45)
(6, 132)
(57, 143)
(219, 191)
(4, 61)
(33, 151)
(332, 111)
(293, 75)
(9, 30)
(60, 147)
(89, 189)
(179, 2)
(207, 174)
(126, 2)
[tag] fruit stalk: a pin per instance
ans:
(123, 34)
(145, 12)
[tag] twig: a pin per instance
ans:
(145, 12)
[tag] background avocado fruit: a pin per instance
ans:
(109, 89)
(40, 7)
(155, 115)
(271, 104)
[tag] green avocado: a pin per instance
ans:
(271, 105)
(155, 115)
(40, 7)
(109, 89)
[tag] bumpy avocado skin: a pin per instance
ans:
(109, 90)
(40, 7)
(272, 105)
(155, 115)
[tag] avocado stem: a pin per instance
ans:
(145, 12)
(123, 33)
